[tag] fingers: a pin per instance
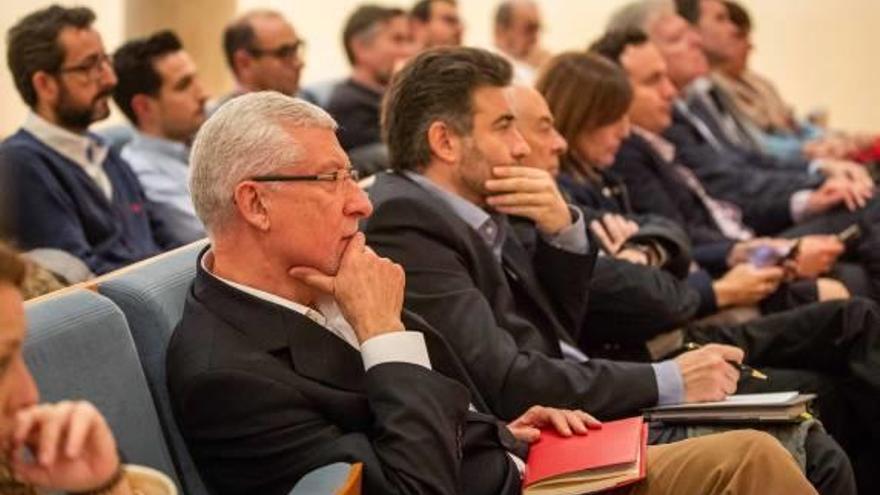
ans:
(83, 419)
(591, 422)
(599, 231)
(521, 199)
(528, 434)
(727, 352)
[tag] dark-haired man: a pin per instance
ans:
(63, 187)
(436, 23)
(377, 40)
(160, 93)
(264, 53)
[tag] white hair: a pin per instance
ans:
(639, 15)
(248, 136)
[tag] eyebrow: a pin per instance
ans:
(184, 81)
(504, 119)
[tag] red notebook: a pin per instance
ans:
(610, 457)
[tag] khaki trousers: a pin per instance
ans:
(733, 463)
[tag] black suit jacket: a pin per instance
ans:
(263, 395)
(504, 320)
(764, 195)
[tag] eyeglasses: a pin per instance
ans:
(335, 176)
(287, 51)
(93, 67)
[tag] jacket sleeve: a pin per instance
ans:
(632, 303)
(763, 195)
(414, 444)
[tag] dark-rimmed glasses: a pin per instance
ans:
(287, 51)
(92, 67)
(335, 176)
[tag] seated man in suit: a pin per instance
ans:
(62, 187)
(161, 94)
(510, 302)
(59, 447)
(294, 351)
(771, 198)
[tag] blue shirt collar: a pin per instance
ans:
(492, 228)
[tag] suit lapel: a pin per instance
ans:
(318, 354)
(516, 261)
(314, 351)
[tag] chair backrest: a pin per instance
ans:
(152, 296)
(79, 347)
(320, 92)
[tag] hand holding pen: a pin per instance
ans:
(744, 369)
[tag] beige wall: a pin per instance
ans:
(820, 52)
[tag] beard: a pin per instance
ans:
(475, 170)
(73, 116)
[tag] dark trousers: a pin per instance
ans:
(831, 349)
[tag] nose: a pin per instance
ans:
(669, 91)
(560, 146)
(24, 391)
(108, 75)
(357, 203)
(201, 94)
(519, 147)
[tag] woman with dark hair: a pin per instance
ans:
(589, 97)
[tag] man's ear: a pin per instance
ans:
(252, 205)
(241, 60)
(46, 86)
(142, 106)
(445, 143)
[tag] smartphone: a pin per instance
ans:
(764, 255)
(849, 233)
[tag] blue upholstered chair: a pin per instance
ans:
(79, 347)
(151, 294)
(340, 478)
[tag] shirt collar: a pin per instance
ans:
(661, 145)
(328, 315)
(84, 149)
(173, 149)
(208, 265)
(490, 227)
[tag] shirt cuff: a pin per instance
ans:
(395, 347)
(670, 385)
(798, 204)
(572, 238)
